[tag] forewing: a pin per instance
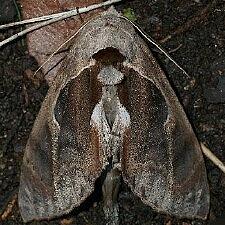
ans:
(161, 160)
(63, 154)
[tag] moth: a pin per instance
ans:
(111, 110)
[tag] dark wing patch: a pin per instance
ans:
(161, 160)
(61, 165)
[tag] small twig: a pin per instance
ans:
(19, 17)
(212, 157)
(70, 13)
(17, 10)
(28, 30)
(32, 20)
(60, 16)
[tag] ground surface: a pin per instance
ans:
(193, 32)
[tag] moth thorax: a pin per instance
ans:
(110, 76)
(110, 103)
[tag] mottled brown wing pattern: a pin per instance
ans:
(160, 158)
(162, 161)
(58, 175)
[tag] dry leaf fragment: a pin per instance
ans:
(9, 208)
(43, 42)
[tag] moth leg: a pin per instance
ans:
(110, 189)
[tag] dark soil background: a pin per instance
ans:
(193, 32)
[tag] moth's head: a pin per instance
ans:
(107, 40)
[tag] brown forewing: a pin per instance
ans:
(63, 155)
(162, 160)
